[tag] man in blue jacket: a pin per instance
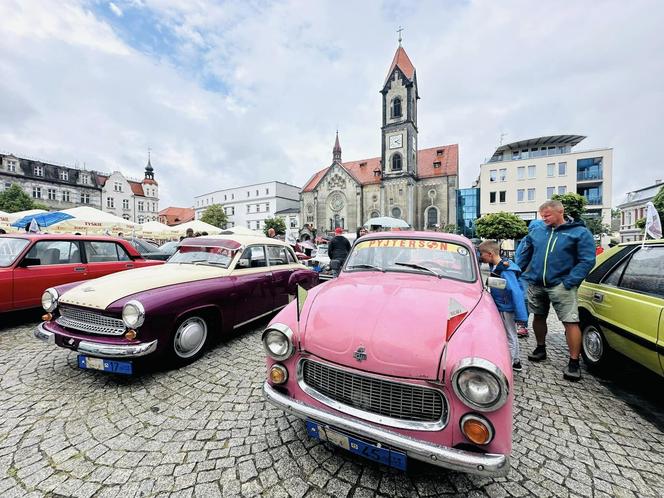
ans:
(558, 256)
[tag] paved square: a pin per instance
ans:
(205, 430)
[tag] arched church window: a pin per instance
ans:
(396, 162)
(431, 216)
(374, 214)
(396, 107)
(396, 212)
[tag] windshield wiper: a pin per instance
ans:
(366, 265)
(206, 262)
(418, 267)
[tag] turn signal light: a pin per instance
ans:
(476, 429)
(130, 335)
(47, 317)
(278, 374)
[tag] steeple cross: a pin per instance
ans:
(399, 31)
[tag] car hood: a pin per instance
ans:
(399, 319)
(101, 292)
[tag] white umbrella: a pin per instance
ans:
(240, 231)
(196, 226)
(387, 222)
(89, 220)
(156, 230)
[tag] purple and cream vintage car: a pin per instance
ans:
(403, 355)
(209, 287)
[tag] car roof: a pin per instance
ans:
(58, 236)
(243, 240)
(639, 242)
(411, 234)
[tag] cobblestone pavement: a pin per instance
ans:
(205, 430)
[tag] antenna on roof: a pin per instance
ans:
(502, 135)
(399, 31)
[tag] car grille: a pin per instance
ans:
(90, 321)
(407, 402)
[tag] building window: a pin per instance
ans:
(11, 166)
(439, 152)
(64, 174)
(225, 197)
(232, 196)
(562, 169)
(532, 171)
(110, 202)
(65, 196)
(267, 191)
(550, 191)
(396, 212)
(396, 162)
(267, 206)
(85, 198)
(515, 155)
(38, 171)
(562, 190)
(85, 178)
(125, 203)
(431, 215)
(493, 175)
(51, 194)
(248, 208)
(36, 192)
(117, 187)
(550, 169)
(521, 173)
(141, 219)
(502, 175)
(492, 197)
(531, 194)
(502, 196)
(520, 195)
(140, 206)
(248, 194)
(396, 107)
(436, 164)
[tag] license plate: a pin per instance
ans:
(370, 451)
(121, 367)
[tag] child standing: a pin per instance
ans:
(510, 300)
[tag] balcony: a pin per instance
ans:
(586, 175)
(594, 200)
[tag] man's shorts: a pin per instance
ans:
(564, 301)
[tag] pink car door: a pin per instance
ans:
(46, 264)
(106, 256)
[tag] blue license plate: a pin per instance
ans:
(370, 451)
(104, 365)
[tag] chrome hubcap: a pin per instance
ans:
(592, 343)
(190, 337)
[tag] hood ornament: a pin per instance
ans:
(360, 354)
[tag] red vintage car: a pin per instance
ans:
(30, 263)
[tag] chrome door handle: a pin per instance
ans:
(79, 268)
(598, 297)
(129, 265)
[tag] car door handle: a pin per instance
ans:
(79, 268)
(598, 297)
(129, 265)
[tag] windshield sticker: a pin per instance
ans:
(433, 245)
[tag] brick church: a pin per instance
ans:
(416, 185)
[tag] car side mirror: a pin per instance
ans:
(496, 283)
(243, 263)
(29, 262)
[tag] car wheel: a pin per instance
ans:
(189, 339)
(595, 349)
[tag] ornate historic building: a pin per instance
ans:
(417, 186)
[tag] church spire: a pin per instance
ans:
(149, 170)
(336, 151)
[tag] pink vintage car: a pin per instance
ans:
(403, 355)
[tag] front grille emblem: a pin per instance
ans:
(360, 354)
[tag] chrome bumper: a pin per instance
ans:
(99, 349)
(486, 464)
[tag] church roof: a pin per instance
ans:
(436, 161)
(401, 61)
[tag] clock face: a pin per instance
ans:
(396, 141)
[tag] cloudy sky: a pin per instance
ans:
(231, 93)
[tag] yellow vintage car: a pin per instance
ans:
(621, 306)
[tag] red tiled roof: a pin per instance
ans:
(136, 188)
(150, 181)
(401, 61)
(101, 180)
(363, 170)
(176, 215)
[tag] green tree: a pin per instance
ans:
(15, 199)
(451, 228)
(658, 201)
(501, 226)
(276, 223)
(215, 215)
(574, 204)
(595, 225)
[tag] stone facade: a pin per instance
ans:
(415, 185)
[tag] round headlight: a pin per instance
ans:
(133, 314)
(480, 384)
(49, 299)
(278, 341)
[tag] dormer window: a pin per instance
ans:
(64, 174)
(38, 171)
(376, 172)
(396, 107)
(363, 164)
(439, 152)
(396, 162)
(436, 164)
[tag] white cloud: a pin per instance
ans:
(115, 9)
(291, 72)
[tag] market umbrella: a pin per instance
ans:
(156, 230)
(42, 219)
(240, 231)
(386, 222)
(88, 220)
(196, 226)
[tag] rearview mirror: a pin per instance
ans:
(496, 283)
(243, 263)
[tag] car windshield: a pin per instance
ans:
(431, 257)
(10, 248)
(143, 246)
(203, 255)
(169, 247)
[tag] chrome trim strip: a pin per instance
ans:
(371, 416)
(259, 316)
(486, 464)
(481, 364)
(101, 350)
(91, 322)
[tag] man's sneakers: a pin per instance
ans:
(573, 370)
(516, 366)
(538, 354)
(522, 332)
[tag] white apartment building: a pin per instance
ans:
(250, 205)
(522, 175)
(633, 208)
